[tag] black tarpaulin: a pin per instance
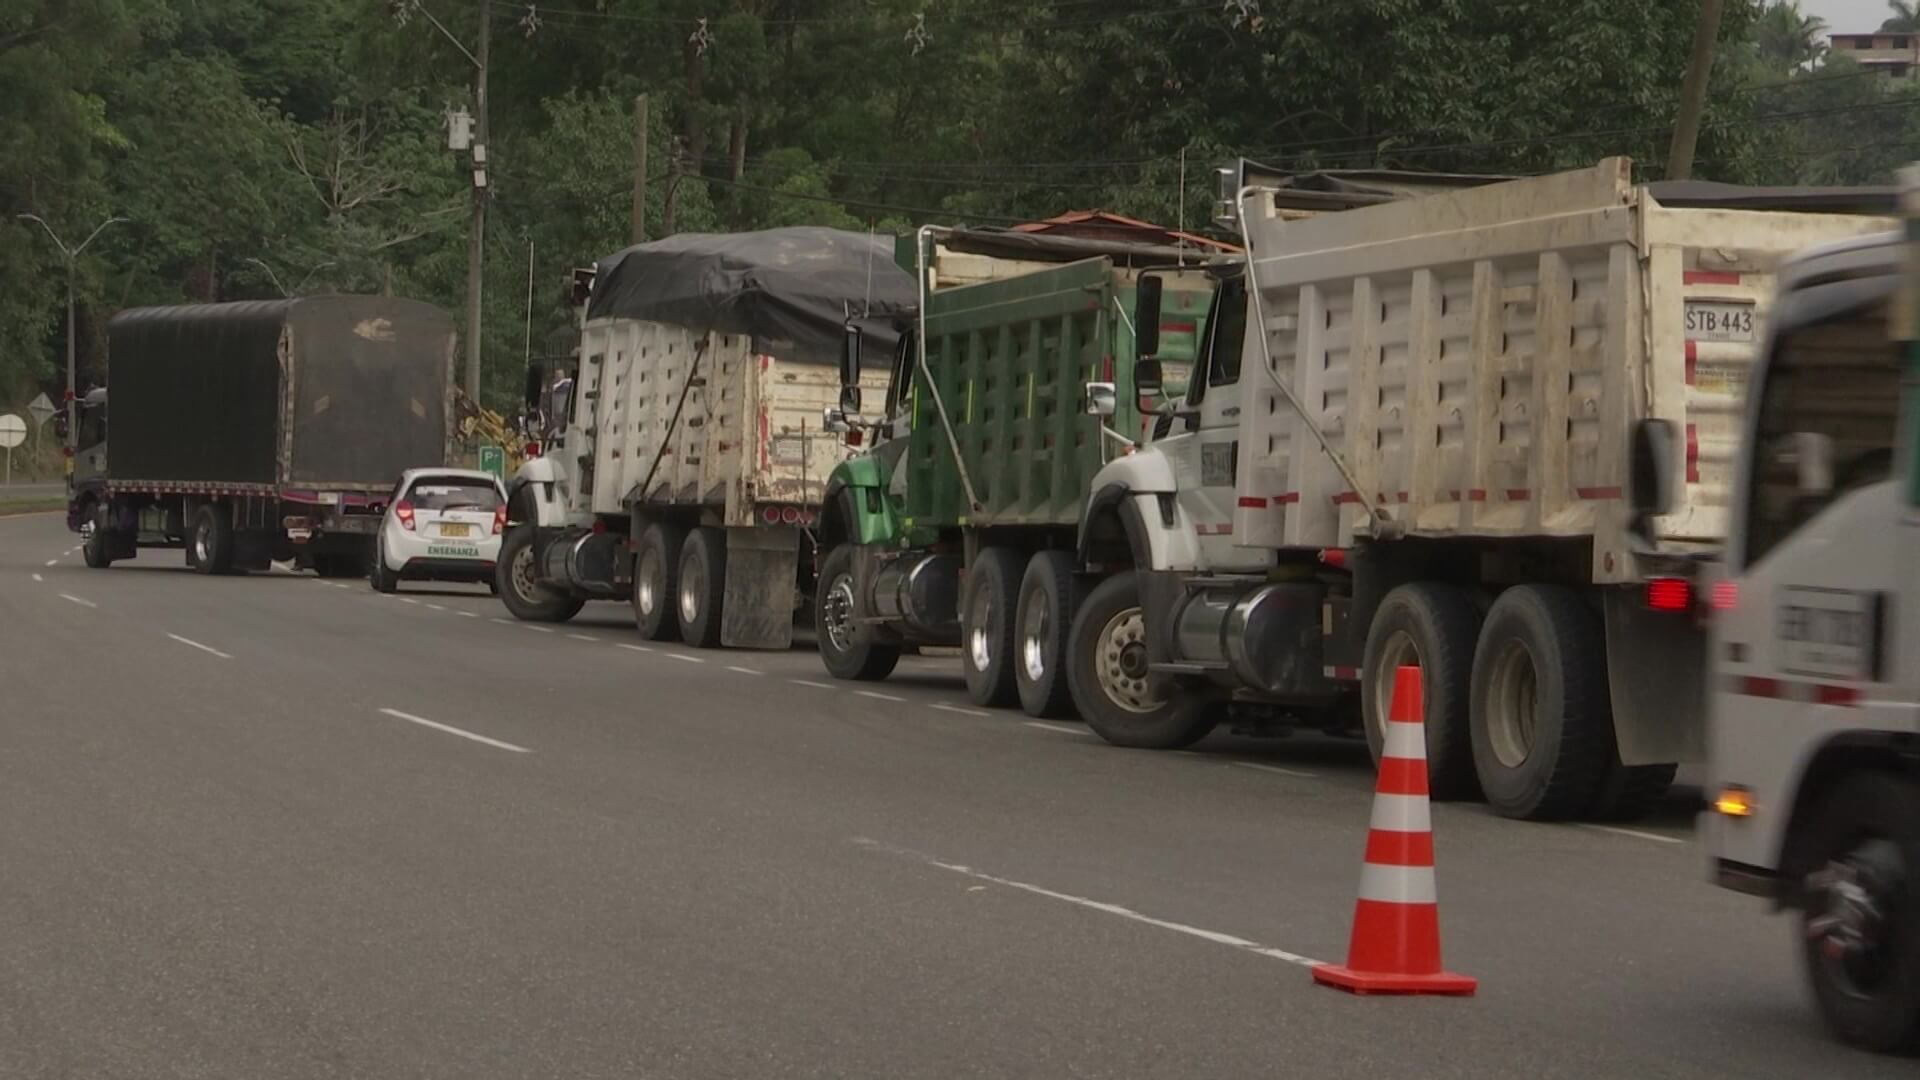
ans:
(795, 285)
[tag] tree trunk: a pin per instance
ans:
(737, 148)
(696, 124)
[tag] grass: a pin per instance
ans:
(35, 505)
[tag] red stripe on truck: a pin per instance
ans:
(1693, 454)
(1693, 360)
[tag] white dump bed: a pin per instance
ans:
(1479, 359)
(748, 442)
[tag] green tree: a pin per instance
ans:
(1789, 39)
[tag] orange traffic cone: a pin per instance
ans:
(1396, 922)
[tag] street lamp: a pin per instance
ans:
(72, 256)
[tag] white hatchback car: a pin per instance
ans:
(440, 525)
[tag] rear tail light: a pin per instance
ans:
(532, 449)
(1726, 595)
(770, 515)
(500, 519)
(1669, 594)
(404, 511)
(790, 515)
(853, 437)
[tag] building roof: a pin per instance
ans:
(1107, 225)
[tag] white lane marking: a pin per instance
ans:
(536, 629)
(815, 685)
(1275, 769)
(1214, 936)
(53, 562)
(688, 659)
(468, 615)
(943, 707)
(436, 607)
(583, 637)
(1058, 729)
(1635, 833)
(408, 600)
(503, 622)
(635, 648)
(878, 696)
(77, 600)
(202, 648)
(424, 722)
(37, 577)
(744, 670)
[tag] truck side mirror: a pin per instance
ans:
(1147, 378)
(1650, 468)
(1813, 463)
(1102, 399)
(850, 369)
(1146, 316)
(536, 381)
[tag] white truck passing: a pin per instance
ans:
(1814, 693)
(692, 462)
(1418, 455)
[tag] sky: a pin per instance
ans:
(1848, 16)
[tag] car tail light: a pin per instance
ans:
(1669, 594)
(500, 519)
(853, 437)
(532, 449)
(404, 511)
(770, 515)
(1726, 595)
(790, 515)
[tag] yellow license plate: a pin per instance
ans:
(455, 529)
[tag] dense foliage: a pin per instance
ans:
(261, 147)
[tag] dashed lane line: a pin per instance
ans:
(688, 659)
(202, 648)
(583, 637)
(878, 696)
(53, 562)
(744, 670)
(815, 685)
(635, 648)
(1058, 729)
(957, 709)
(451, 730)
(37, 577)
(536, 629)
(77, 600)
(1635, 833)
(1276, 769)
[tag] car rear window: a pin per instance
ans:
(453, 493)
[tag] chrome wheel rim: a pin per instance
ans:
(1851, 922)
(1399, 651)
(646, 589)
(1120, 660)
(980, 638)
(522, 576)
(202, 546)
(1513, 705)
(692, 584)
(1033, 637)
(837, 613)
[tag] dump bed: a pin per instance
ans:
(1480, 357)
(749, 438)
(1011, 357)
(319, 393)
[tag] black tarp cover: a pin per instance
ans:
(794, 285)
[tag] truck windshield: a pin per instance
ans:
(453, 493)
(1838, 377)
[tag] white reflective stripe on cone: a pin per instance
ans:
(1402, 813)
(1398, 884)
(1405, 741)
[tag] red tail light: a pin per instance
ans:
(1669, 594)
(770, 514)
(1726, 595)
(790, 515)
(533, 449)
(853, 437)
(404, 511)
(500, 519)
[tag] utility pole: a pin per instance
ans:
(640, 169)
(477, 241)
(1693, 92)
(72, 256)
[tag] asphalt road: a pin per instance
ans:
(268, 826)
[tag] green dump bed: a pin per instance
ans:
(1012, 358)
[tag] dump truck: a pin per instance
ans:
(956, 526)
(261, 430)
(692, 462)
(1813, 612)
(1407, 443)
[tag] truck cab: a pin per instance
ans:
(1814, 690)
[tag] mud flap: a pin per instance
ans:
(1656, 671)
(762, 567)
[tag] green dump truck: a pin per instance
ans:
(957, 525)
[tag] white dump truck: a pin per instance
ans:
(1814, 695)
(1418, 455)
(692, 460)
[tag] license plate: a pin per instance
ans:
(1719, 320)
(457, 551)
(1827, 632)
(454, 528)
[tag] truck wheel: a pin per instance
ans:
(1107, 671)
(382, 579)
(210, 547)
(96, 548)
(989, 594)
(1630, 791)
(1862, 922)
(1049, 595)
(1431, 626)
(847, 647)
(1541, 722)
(656, 580)
(520, 588)
(702, 586)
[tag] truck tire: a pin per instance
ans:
(701, 587)
(379, 576)
(1862, 922)
(989, 594)
(1432, 626)
(1049, 595)
(97, 550)
(210, 545)
(847, 648)
(1541, 721)
(656, 582)
(1107, 669)
(520, 589)
(1631, 791)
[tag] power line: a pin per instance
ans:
(890, 208)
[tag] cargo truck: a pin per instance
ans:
(258, 431)
(692, 461)
(957, 526)
(1407, 444)
(1814, 695)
